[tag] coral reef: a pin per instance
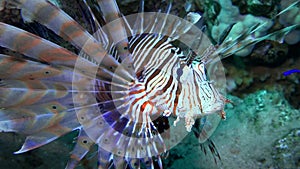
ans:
(238, 16)
(289, 18)
(247, 75)
(270, 53)
(230, 15)
(286, 151)
(266, 8)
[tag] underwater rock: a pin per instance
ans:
(9, 15)
(247, 138)
(266, 8)
(265, 75)
(238, 79)
(260, 7)
(292, 92)
(286, 151)
(269, 53)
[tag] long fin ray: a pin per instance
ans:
(246, 39)
(26, 121)
(22, 93)
(67, 123)
(63, 25)
(46, 51)
(35, 47)
(242, 44)
(17, 68)
(82, 147)
(118, 33)
(104, 158)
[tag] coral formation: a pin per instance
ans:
(266, 8)
(254, 73)
(286, 150)
(288, 18)
(230, 15)
(239, 16)
(269, 53)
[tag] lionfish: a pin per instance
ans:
(123, 86)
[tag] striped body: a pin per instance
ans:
(166, 83)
